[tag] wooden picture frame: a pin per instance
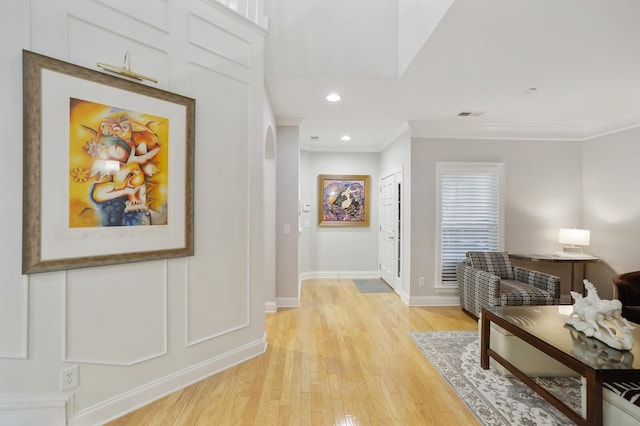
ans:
(343, 200)
(108, 168)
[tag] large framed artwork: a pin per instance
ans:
(107, 169)
(343, 200)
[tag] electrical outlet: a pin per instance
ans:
(69, 378)
(421, 281)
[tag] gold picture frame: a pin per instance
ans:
(108, 169)
(343, 200)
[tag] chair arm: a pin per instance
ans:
(541, 280)
(477, 288)
(626, 288)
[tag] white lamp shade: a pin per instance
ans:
(574, 237)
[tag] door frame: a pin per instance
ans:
(398, 194)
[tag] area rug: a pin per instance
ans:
(372, 285)
(494, 399)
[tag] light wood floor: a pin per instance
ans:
(342, 358)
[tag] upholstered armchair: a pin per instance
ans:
(487, 279)
(626, 288)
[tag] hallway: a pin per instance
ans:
(342, 358)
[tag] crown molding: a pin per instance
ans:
(340, 148)
(401, 130)
(457, 129)
(511, 131)
(613, 124)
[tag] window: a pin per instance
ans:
(470, 214)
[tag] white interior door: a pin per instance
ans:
(388, 231)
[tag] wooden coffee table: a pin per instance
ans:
(543, 327)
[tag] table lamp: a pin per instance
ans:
(574, 239)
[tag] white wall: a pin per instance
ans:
(287, 175)
(306, 221)
(14, 299)
(612, 205)
(140, 330)
(269, 203)
(543, 194)
(397, 156)
(338, 251)
(417, 20)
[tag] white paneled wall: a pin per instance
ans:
(214, 310)
(14, 317)
(140, 330)
(251, 9)
(131, 334)
(14, 289)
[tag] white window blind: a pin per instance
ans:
(470, 207)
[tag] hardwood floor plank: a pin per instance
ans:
(341, 358)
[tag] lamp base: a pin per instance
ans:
(569, 249)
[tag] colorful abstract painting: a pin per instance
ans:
(109, 175)
(118, 166)
(344, 200)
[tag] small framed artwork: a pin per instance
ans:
(343, 200)
(107, 166)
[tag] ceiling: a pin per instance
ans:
(533, 69)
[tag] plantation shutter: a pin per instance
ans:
(470, 214)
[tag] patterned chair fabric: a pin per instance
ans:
(494, 262)
(487, 279)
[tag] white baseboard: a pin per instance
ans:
(139, 397)
(270, 307)
(434, 301)
(35, 409)
(287, 302)
(339, 274)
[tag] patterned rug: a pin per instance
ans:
(494, 399)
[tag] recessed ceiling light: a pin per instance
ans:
(530, 91)
(333, 97)
(346, 138)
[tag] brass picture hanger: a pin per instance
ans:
(126, 69)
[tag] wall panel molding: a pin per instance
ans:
(14, 319)
(211, 309)
(143, 395)
(211, 62)
(116, 315)
(126, 326)
(215, 39)
(35, 409)
(148, 40)
(126, 17)
(146, 59)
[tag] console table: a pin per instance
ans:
(543, 327)
(552, 258)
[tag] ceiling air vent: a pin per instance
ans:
(470, 113)
(315, 138)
